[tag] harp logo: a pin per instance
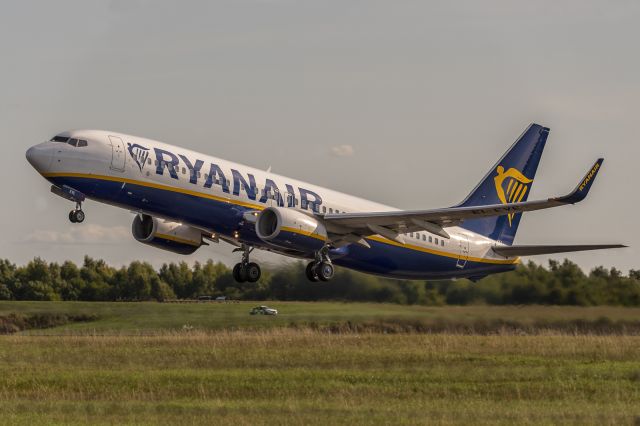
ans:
(511, 187)
(139, 154)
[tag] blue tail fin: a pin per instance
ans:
(509, 181)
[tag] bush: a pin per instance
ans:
(559, 284)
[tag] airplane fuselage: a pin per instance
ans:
(218, 196)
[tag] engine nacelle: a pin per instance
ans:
(166, 235)
(291, 229)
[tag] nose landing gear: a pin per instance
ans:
(77, 215)
(68, 193)
(246, 270)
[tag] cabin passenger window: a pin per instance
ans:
(430, 239)
(149, 161)
(324, 209)
(330, 210)
(424, 237)
(442, 243)
(436, 241)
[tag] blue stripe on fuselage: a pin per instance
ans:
(225, 218)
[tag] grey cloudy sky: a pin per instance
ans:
(404, 102)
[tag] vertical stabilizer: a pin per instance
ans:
(509, 181)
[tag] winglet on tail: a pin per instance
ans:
(582, 190)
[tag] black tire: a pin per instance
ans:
(325, 271)
(253, 272)
(311, 272)
(237, 273)
(72, 216)
(79, 216)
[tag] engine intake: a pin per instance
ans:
(166, 235)
(291, 229)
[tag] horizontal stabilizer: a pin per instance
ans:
(510, 251)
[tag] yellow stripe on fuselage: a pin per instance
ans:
(443, 253)
(259, 207)
(306, 234)
(177, 240)
(155, 186)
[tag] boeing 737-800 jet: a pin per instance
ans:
(184, 199)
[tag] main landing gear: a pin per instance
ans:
(246, 270)
(77, 215)
(321, 269)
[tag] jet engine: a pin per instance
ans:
(166, 235)
(291, 229)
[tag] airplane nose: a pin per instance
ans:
(30, 155)
(39, 157)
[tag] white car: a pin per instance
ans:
(263, 310)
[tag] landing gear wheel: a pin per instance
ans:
(325, 271)
(79, 216)
(76, 216)
(311, 272)
(245, 270)
(252, 272)
(239, 274)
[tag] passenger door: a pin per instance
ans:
(118, 157)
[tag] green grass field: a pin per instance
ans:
(149, 318)
(135, 364)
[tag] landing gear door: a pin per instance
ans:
(463, 254)
(117, 153)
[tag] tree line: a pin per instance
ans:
(560, 283)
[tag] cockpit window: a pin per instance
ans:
(71, 141)
(77, 142)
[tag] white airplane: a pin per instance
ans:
(184, 199)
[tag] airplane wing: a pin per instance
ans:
(391, 224)
(510, 251)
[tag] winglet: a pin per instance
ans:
(581, 191)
